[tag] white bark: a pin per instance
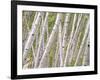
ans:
(37, 40)
(56, 54)
(50, 41)
(83, 41)
(86, 53)
(29, 41)
(36, 14)
(60, 45)
(65, 28)
(41, 41)
(75, 37)
(69, 44)
(47, 32)
(33, 56)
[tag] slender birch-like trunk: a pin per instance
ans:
(83, 41)
(60, 45)
(65, 28)
(86, 53)
(50, 41)
(30, 38)
(56, 54)
(69, 44)
(41, 41)
(47, 31)
(75, 37)
(33, 56)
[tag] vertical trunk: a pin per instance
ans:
(75, 37)
(65, 27)
(29, 41)
(60, 45)
(33, 56)
(50, 41)
(56, 54)
(83, 41)
(47, 31)
(86, 53)
(41, 41)
(69, 44)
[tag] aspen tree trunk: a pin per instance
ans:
(77, 34)
(65, 27)
(75, 37)
(24, 29)
(36, 14)
(29, 41)
(50, 41)
(86, 53)
(37, 40)
(60, 45)
(56, 54)
(47, 31)
(41, 42)
(69, 44)
(83, 41)
(33, 56)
